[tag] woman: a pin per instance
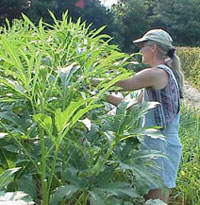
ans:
(162, 82)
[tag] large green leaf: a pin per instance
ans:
(29, 22)
(62, 118)
(63, 192)
(14, 58)
(15, 198)
(44, 121)
(27, 185)
(152, 132)
(140, 162)
(7, 176)
(119, 189)
(91, 60)
(13, 86)
(83, 111)
(96, 198)
(109, 84)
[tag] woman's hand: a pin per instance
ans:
(114, 100)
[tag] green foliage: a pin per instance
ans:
(92, 12)
(130, 18)
(54, 124)
(188, 181)
(125, 21)
(15, 198)
(39, 9)
(187, 190)
(190, 64)
(177, 17)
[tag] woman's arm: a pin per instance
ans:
(150, 77)
(115, 100)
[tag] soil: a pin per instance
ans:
(191, 95)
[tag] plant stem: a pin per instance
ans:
(82, 199)
(98, 166)
(45, 194)
(53, 167)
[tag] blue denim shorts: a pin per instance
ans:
(171, 148)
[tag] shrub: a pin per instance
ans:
(190, 60)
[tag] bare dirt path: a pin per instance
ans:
(191, 95)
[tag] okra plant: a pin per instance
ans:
(56, 129)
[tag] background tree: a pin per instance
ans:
(91, 11)
(125, 21)
(130, 17)
(180, 17)
(11, 9)
(39, 9)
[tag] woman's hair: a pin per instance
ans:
(172, 61)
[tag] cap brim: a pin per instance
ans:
(139, 41)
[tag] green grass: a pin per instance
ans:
(187, 191)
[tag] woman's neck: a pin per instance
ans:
(157, 61)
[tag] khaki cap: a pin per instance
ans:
(157, 35)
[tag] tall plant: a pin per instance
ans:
(54, 123)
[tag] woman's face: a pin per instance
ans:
(147, 54)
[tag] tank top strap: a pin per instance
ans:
(169, 71)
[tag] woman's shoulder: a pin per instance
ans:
(164, 68)
(155, 72)
(159, 77)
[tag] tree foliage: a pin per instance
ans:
(91, 11)
(180, 17)
(125, 21)
(11, 9)
(130, 18)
